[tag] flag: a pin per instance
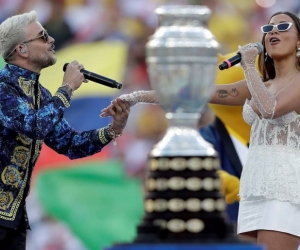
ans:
(2, 63)
(95, 199)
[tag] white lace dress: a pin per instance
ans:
(270, 181)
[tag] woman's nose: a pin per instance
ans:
(274, 30)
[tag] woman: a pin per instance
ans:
(270, 182)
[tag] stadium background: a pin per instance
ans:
(96, 201)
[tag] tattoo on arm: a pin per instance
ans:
(223, 93)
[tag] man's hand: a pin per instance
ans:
(73, 77)
(119, 110)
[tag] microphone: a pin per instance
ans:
(237, 58)
(98, 78)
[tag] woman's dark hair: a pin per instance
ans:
(266, 68)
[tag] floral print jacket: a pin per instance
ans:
(29, 117)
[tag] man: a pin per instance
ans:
(30, 116)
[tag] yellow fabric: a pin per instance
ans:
(230, 29)
(103, 58)
(241, 138)
(230, 186)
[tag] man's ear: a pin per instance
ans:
(21, 49)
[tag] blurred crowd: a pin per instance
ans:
(233, 22)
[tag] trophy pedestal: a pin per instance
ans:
(212, 246)
(183, 202)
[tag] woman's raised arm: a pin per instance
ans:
(233, 94)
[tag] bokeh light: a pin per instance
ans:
(266, 3)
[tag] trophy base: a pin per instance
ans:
(217, 230)
(182, 141)
(183, 202)
(225, 245)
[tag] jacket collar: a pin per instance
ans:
(16, 72)
(23, 78)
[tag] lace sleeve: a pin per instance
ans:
(142, 96)
(133, 98)
(263, 99)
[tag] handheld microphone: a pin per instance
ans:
(237, 58)
(98, 78)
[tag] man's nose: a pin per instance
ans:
(51, 39)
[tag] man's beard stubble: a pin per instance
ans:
(42, 62)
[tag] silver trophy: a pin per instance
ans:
(181, 59)
(183, 202)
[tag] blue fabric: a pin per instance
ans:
(84, 112)
(210, 134)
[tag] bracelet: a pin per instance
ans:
(112, 134)
(66, 85)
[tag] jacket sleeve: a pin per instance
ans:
(65, 140)
(18, 115)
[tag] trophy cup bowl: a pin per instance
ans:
(181, 59)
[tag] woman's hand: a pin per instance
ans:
(249, 53)
(142, 96)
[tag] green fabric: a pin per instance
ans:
(97, 201)
(2, 63)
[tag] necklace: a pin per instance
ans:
(293, 75)
(282, 78)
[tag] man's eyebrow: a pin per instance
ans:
(41, 32)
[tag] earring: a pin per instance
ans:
(298, 52)
(266, 56)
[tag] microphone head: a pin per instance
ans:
(65, 66)
(223, 66)
(259, 47)
(118, 85)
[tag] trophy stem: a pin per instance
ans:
(183, 138)
(189, 120)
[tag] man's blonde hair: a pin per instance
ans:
(12, 31)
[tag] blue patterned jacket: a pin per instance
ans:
(29, 117)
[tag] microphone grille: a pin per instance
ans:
(259, 47)
(65, 66)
